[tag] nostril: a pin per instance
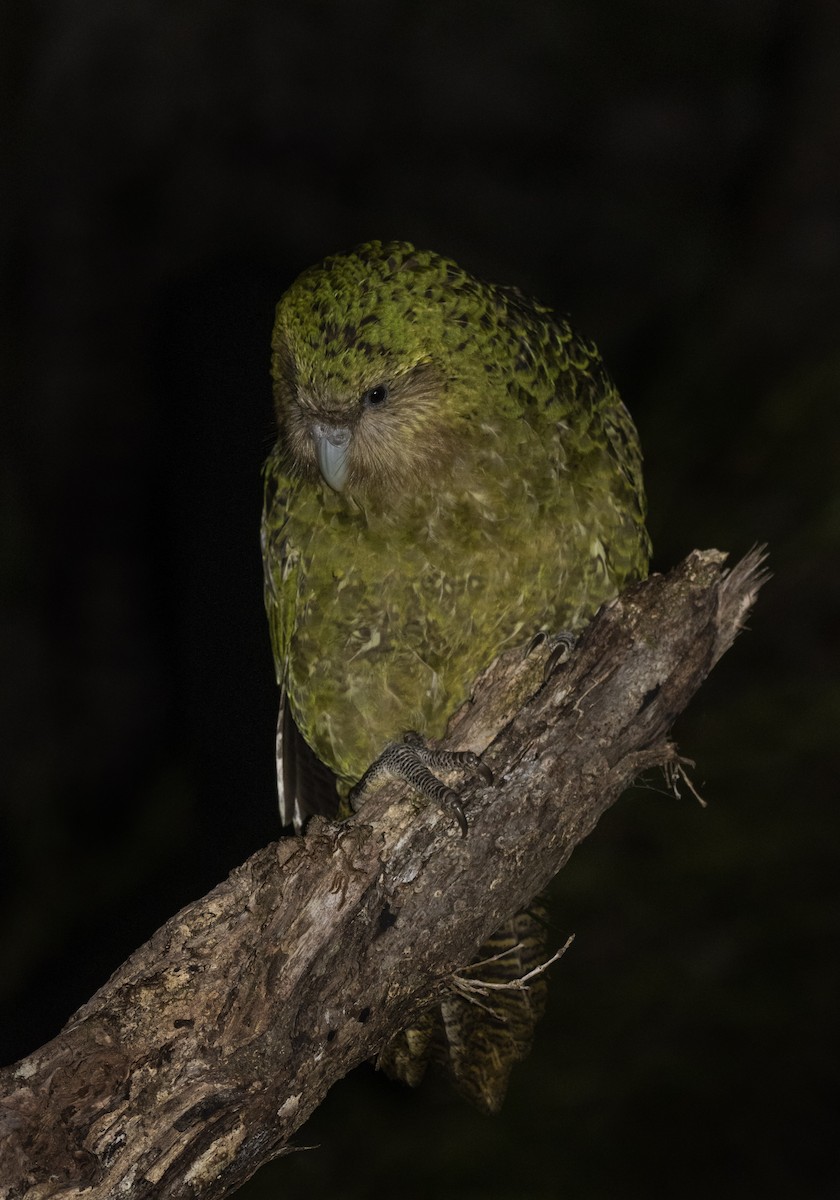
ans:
(336, 435)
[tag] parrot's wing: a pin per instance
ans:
(281, 568)
(304, 785)
(626, 450)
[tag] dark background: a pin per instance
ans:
(665, 171)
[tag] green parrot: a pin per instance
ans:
(454, 474)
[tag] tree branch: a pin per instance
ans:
(209, 1047)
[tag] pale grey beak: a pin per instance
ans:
(332, 443)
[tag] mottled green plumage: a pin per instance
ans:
(495, 492)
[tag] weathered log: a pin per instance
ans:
(208, 1048)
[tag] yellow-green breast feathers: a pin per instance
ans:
(454, 471)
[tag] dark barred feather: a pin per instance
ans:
(478, 1038)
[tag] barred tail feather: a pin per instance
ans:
(477, 1038)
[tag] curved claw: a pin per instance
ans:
(471, 762)
(565, 644)
(452, 802)
(537, 640)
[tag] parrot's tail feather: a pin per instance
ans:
(477, 1042)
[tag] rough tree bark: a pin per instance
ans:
(209, 1047)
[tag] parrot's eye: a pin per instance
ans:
(375, 397)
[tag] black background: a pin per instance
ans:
(666, 172)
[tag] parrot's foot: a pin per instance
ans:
(410, 760)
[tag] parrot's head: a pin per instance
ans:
(364, 366)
